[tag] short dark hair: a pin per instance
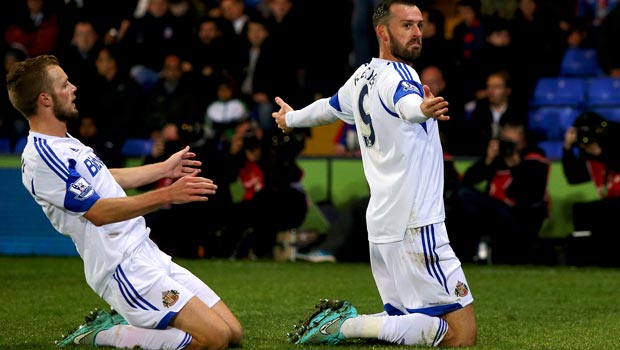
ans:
(381, 14)
(27, 79)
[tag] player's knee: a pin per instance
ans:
(462, 329)
(218, 343)
(460, 337)
(466, 339)
(214, 340)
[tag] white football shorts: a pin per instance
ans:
(149, 289)
(420, 274)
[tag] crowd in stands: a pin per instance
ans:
(205, 73)
(173, 55)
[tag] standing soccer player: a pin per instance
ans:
(425, 294)
(166, 306)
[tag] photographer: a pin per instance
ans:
(592, 153)
(279, 203)
(509, 213)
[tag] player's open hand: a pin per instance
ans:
(280, 116)
(181, 163)
(434, 107)
(191, 188)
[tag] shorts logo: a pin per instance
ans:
(461, 289)
(169, 297)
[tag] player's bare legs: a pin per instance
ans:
(462, 329)
(211, 328)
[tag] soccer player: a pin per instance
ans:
(427, 300)
(166, 306)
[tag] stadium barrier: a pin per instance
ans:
(26, 231)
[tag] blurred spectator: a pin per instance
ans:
(221, 160)
(535, 30)
(111, 18)
(595, 11)
(608, 50)
(346, 142)
(451, 132)
(227, 110)
(215, 54)
(363, 34)
(347, 238)
(579, 34)
(591, 153)
(116, 102)
(184, 10)
(323, 73)
(280, 205)
(251, 176)
(89, 134)
(496, 54)
(238, 15)
(469, 37)
(151, 38)
(492, 111)
(173, 100)
(79, 58)
(263, 75)
(35, 28)
(507, 216)
(13, 124)
(438, 50)
(286, 25)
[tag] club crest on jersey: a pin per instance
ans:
(81, 188)
(461, 289)
(407, 86)
(169, 297)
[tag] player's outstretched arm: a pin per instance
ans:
(177, 165)
(280, 115)
(189, 188)
(317, 113)
(416, 109)
(434, 107)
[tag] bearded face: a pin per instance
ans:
(62, 93)
(407, 52)
(64, 109)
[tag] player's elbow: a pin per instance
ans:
(96, 218)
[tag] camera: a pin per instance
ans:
(586, 134)
(507, 148)
(590, 127)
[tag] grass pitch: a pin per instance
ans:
(517, 307)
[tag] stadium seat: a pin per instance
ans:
(549, 123)
(611, 113)
(5, 145)
(603, 91)
(580, 62)
(137, 147)
(560, 91)
(552, 149)
(20, 145)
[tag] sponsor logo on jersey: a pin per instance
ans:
(169, 297)
(461, 289)
(407, 86)
(81, 188)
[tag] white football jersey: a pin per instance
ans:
(403, 161)
(66, 178)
